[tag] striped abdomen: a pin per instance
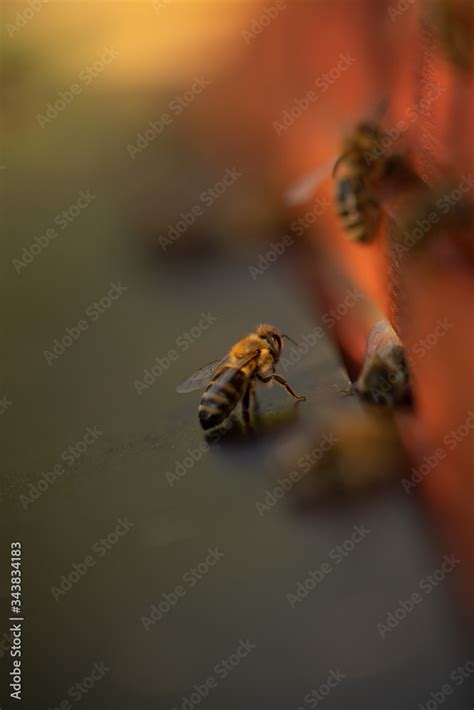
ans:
(221, 396)
(358, 212)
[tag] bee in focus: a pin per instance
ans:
(232, 379)
(385, 377)
(360, 173)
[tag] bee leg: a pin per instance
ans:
(281, 381)
(245, 406)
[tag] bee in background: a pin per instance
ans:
(352, 455)
(233, 378)
(385, 377)
(453, 20)
(359, 174)
(439, 210)
(355, 170)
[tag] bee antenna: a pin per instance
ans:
(283, 335)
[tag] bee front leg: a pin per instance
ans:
(281, 381)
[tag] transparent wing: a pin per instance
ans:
(301, 191)
(201, 377)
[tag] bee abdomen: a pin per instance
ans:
(220, 398)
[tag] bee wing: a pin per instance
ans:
(301, 191)
(199, 378)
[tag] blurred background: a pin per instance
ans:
(146, 148)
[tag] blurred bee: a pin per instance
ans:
(454, 22)
(358, 453)
(441, 209)
(385, 377)
(359, 173)
(232, 379)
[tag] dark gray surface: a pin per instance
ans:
(123, 474)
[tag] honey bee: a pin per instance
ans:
(233, 378)
(385, 377)
(362, 169)
(359, 168)
(454, 22)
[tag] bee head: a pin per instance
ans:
(273, 337)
